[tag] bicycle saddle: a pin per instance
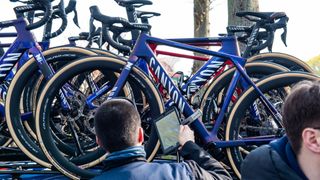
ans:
(262, 15)
(146, 14)
(135, 3)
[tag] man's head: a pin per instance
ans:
(301, 116)
(118, 125)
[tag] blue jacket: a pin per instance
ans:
(198, 164)
(273, 161)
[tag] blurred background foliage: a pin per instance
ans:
(315, 64)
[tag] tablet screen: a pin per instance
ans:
(168, 126)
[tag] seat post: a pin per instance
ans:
(132, 17)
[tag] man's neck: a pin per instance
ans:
(309, 164)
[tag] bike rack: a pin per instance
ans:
(14, 164)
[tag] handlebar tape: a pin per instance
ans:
(47, 8)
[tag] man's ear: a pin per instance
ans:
(98, 141)
(311, 139)
(140, 135)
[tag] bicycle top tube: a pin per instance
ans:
(214, 66)
(141, 48)
(204, 39)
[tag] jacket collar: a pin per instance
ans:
(284, 149)
(119, 158)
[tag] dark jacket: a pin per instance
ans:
(198, 164)
(273, 161)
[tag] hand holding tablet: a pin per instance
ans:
(168, 126)
(186, 134)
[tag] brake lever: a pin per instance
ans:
(75, 18)
(270, 46)
(284, 36)
(271, 39)
(92, 28)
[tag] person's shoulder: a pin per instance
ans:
(168, 164)
(261, 152)
(259, 164)
(176, 170)
(158, 169)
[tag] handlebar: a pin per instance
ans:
(112, 24)
(90, 37)
(61, 29)
(71, 6)
(48, 13)
(271, 28)
(107, 37)
(43, 5)
(122, 40)
(108, 20)
(59, 12)
(117, 41)
(265, 21)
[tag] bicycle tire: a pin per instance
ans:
(267, 84)
(20, 131)
(286, 60)
(104, 52)
(44, 135)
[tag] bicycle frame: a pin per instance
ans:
(18, 54)
(143, 52)
(213, 66)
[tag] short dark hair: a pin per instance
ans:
(116, 124)
(301, 110)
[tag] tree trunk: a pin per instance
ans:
(235, 6)
(201, 24)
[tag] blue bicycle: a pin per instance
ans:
(29, 80)
(37, 69)
(74, 148)
(262, 115)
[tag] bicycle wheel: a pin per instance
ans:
(5, 138)
(241, 125)
(213, 97)
(40, 81)
(22, 89)
(288, 61)
(45, 113)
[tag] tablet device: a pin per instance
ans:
(168, 126)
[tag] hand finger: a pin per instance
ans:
(181, 128)
(187, 128)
